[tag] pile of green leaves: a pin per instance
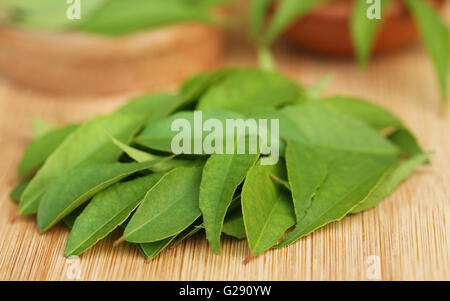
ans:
(433, 30)
(339, 156)
(107, 17)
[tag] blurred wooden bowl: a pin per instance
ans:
(80, 64)
(326, 29)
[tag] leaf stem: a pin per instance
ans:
(248, 259)
(14, 218)
(280, 181)
(265, 59)
(119, 241)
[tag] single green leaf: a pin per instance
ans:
(406, 142)
(152, 107)
(390, 181)
(40, 149)
(364, 30)
(266, 207)
(221, 176)
(307, 170)
(166, 211)
(258, 15)
(265, 59)
(78, 186)
(134, 153)
(91, 144)
(107, 17)
(249, 89)
(370, 113)
(376, 117)
(153, 249)
(436, 36)
(41, 127)
(287, 12)
(119, 17)
(159, 135)
(49, 14)
(317, 126)
(107, 210)
(17, 191)
(317, 89)
(196, 86)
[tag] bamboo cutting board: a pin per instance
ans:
(407, 237)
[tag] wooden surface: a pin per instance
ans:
(409, 232)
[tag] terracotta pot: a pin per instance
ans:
(75, 63)
(326, 29)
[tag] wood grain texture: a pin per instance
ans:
(409, 231)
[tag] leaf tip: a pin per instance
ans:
(216, 251)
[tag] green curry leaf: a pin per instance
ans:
(40, 127)
(364, 30)
(117, 17)
(258, 15)
(108, 17)
(436, 38)
(370, 113)
(221, 176)
(166, 211)
(40, 149)
(17, 191)
(153, 249)
(287, 12)
(249, 89)
(266, 207)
